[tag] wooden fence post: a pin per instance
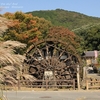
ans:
(78, 78)
(87, 84)
(46, 84)
(18, 84)
(74, 84)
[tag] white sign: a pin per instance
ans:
(48, 74)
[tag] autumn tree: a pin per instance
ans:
(25, 27)
(64, 34)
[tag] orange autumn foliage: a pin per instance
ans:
(25, 27)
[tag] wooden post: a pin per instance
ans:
(87, 84)
(84, 72)
(18, 84)
(54, 79)
(78, 78)
(74, 84)
(46, 84)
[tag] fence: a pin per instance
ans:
(47, 84)
(92, 84)
(2, 97)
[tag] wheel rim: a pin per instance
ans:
(52, 56)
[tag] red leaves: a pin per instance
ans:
(61, 33)
(14, 23)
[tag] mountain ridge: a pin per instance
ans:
(65, 18)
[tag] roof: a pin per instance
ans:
(91, 53)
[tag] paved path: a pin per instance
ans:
(53, 95)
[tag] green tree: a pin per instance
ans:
(69, 19)
(90, 37)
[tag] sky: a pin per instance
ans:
(87, 7)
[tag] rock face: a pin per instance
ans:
(3, 25)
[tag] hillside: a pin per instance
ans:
(69, 19)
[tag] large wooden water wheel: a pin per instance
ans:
(52, 59)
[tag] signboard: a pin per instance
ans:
(48, 74)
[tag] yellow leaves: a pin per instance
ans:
(9, 15)
(29, 15)
(22, 37)
(33, 30)
(33, 40)
(33, 22)
(19, 15)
